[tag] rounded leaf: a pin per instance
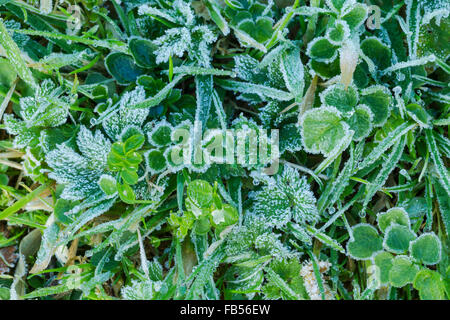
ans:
(160, 136)
(326, 70)
(377, 51)
(156, 161)
(107, 184)
(384, 261)
(343, 99)
(395, 215)
(378, 99)
(364, 243)
(338, 33)
(355, 15)
(122, 67)
(430, 285)
(402, 272)
(322, 50)
(397, 238)
(426, 249)
(142, 51)
(361, 122)
(322, 130)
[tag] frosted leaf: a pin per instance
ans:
(288, 197)
(141, 290)
(322, 130)
(125, 116)
(23, 136)
(72, 170)
(322, 50)
(95, 147)
(247, 68)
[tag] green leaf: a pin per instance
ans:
(377, 51)
(395, 215)
(325, 239)
(378, 99)
(108, 184)
(122, 67)
(134, 142)
(129, 176)
(142, 51)
(361, 122)
(156, 161)
(200, 193)
(338, 33)
(14, 55)
(430, 285)
(426, 249)
(323, 130)
(419, 115)
(402, 271)
(343, 99)
(444, 204)
(293, 73)
(397, 238)
(160, 136)
(322, 50)
(364, 243)
(126, 193)
(355, 15)
(384, 261)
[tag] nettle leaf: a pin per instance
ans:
(361, 122)
(72, 170)
(355, 15)
(323, 130)
(126, 117)
(397, 238)
(419, 115)
(430, 285)
(122, 67)
(285, 197)
(393, 216)
(426, 249)
(384, 261)
(95, 147)
(293, 73)
(364, 243)
(23, 136)
(378, 99)
(403, 271)
(377, 51)
(322, 50)
(343, 99)
(142, 51)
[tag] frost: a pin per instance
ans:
(285, 198)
